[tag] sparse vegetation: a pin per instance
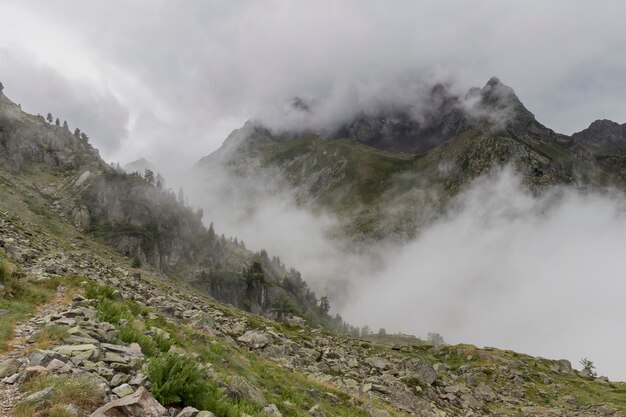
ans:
(50, 334)
(67, 390)
(588, 367)
(178, 380)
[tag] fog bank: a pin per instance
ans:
(540, 275)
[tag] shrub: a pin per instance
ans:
(7, 269)
(100, 292)
(113, 311)
(148, 345)
(177, 380)
(136, 262)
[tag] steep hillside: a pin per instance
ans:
(50, 167)
(83, 330)
(388, 182)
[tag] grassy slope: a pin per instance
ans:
(381, 194)
(279, 384)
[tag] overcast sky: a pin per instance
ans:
(169, 80)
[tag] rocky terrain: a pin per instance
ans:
(106, 310)
(108, 326)
(56, 172)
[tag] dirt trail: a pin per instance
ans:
(9, 393)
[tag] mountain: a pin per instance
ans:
(387, 175)
(55, 169)
(606, 142)
(107, 287)
(140, 165)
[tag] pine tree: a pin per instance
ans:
(49, 118)
(324, 305)
(160, 181)
(57, 122)
(65, 125)
(149, 176)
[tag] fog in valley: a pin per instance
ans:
(540, 273)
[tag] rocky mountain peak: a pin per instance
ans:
(603, 136)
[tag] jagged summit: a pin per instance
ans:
(400, 161)
(430, 120)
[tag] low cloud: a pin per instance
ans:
(539, 274)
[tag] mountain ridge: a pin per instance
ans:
(87, 331)
(487, 129)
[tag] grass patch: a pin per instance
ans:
(81, 391)
(19, 299)
(50, 334)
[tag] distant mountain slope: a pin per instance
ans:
(140, 165)
(388, 175)
(606, 142)
(58, 171)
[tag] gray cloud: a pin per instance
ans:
(42, 89)
(199, 69)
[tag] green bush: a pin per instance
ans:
(113, 311)
(6, 270)
(177, 380)
(130, 335)
(136, 262)
(100, 292)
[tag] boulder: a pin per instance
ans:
(247, 391)
(271, 411)
(122, 390)
(375, 412)
(39, 395)
(138, 404)
(255, 339)
(9, 367)
(485, 392)
(205, 414)
(378, 363)
(44, 357)
(188, 412)
(426, 374)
